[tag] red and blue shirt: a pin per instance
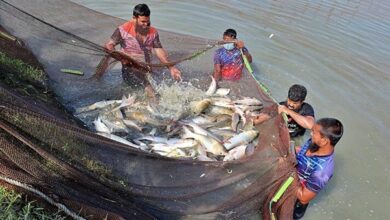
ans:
(126, 36)
(231, 62)
(314, 171)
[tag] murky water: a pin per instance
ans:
(339, 50)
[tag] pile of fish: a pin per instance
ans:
(210, 126)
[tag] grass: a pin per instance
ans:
(15, 206)
(25, 71)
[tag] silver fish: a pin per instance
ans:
(240, 139)
(210, 144)
(98, 105)
(201, 131)
(203, 119)
(126, 101)
(216, 110)
(222, 91)
(248, 101)
(132, 124)
(212, 87)
(235, 120)
(100, 126)
(236, 153)
(116, 126)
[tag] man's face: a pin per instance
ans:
(295, 106)
(316, 136)
(228, 38)
(143, 23)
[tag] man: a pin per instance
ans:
(316, 161)
(299, 113)
(228, 62)
(137, 39)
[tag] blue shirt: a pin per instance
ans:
(231, 62)
(314, 171)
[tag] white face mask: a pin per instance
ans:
(229, 46)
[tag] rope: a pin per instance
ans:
(43, 196)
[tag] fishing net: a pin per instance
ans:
(97, 177)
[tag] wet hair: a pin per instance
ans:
(332, 129)
(141, 10)
(297, 93)
(230, 33)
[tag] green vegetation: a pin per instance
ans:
(14, 206)
(24, 71)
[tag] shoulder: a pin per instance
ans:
(153, 30)
(307, 110)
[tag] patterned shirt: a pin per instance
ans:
(231, 62)
(126, 36)
(314, 171)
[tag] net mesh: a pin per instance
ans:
(102, 177)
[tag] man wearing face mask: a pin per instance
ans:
(137, 39)
(315, 162)
(299, 113)
(228, 62)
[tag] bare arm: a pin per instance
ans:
(248, 56)
(110, 45)
(304, 195)
(163, 57)
(304, 121)
(261, 118)
(217, 72)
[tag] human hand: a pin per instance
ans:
(282, 109)
(261, 118)
(239, 44)
(175, 73)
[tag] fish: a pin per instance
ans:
(212, 88)
(210, 144)
(132, 124)
(222, 92)
(145, 118)
(250, 108)
(216, 110)
(241, 113)
(100, 126)
(224, 133)
(240, 139)
(205, 158)
(116, 126)
(222, 104)
(126, 101)
(198, 107)
(97, 105)
(201, 131)
(235, 121)
(154, 139)
(203, 119)
(119, 139)
(236, 153)
(248, 101)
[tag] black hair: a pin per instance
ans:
(231, 33)
(141, 10)
(332, 129)
(297, 93)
